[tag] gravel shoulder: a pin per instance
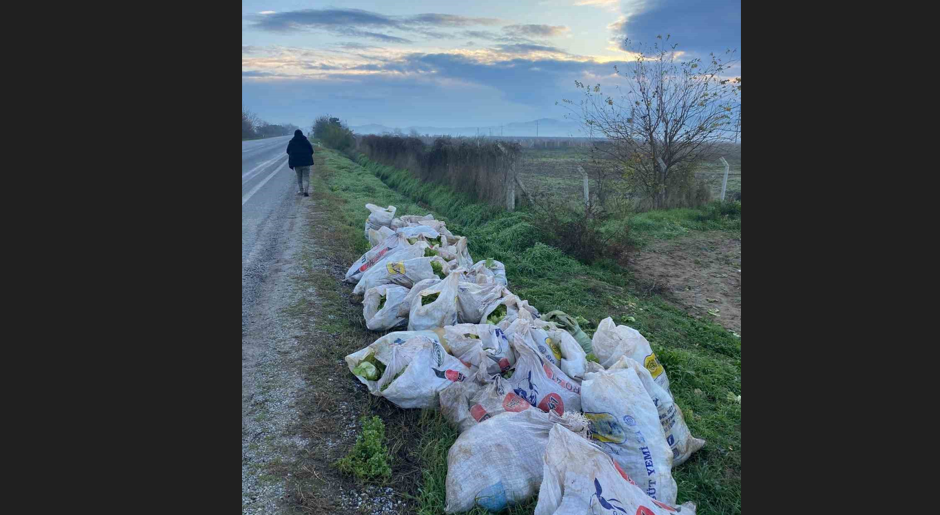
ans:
(300, 410)
(271, 380)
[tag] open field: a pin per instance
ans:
(556, 170)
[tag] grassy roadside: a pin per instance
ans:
(702, 359)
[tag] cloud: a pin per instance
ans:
(354, 45)
(449, 20)
(698, 27)
(528, 48)
(361, 23)
(486, 86)
(618, 25)
(291, 21)
(372, 35)
(538, 30)
(253, 73)
(610, 5)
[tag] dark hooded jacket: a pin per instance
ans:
(299, 150)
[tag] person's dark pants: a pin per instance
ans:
(303, 178)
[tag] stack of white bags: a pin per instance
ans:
(535, 416)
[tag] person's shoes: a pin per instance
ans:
(300, 193)
(306, 194)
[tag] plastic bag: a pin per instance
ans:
(484, 348)
(405, 307)
(449, 253)
(625, 423)
(677, 433)
(376, 237)
(412, 233)
(499, 461)
(381, 350)
(489, 270)
(536, 338)
(473, 299)
(447, 237)
(578, 478)
(376, 254)
(420, 378)
(378, 217)
(552, 343)
(381, 307)
(403, 272)
(415, 219)
(505, 310)
(569, 324)
(466, 404)
(414, 373)
(612, 341)
(463, 255)
(544, 385)
(573, 358)
(435, 306)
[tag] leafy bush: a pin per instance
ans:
(333, 134)
(368, 459)
(718, 210)
(586, 233)
(474, 167)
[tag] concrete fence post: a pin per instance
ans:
(587, 194)
(724, 182)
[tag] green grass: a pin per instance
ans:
(368, 459)
(702, 359)
(672, 223)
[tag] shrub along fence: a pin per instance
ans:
(485, 170)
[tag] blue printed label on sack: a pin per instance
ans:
(492, 498)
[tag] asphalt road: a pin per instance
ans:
(269, 202)
(273, 231)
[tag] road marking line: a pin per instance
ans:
(262, 183)
(254, 171)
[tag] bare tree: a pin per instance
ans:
(250, 123)
(666, 120)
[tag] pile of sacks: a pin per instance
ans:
(536, 417)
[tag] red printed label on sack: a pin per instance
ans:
(450, 375)
(643, 510)
(479, 413)
(552, 402)
(514, 403)
(561, 382)
(454, 375)
(368, 264)
(623, 473)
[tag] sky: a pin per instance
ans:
(456, 64)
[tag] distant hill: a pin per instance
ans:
(546, 127)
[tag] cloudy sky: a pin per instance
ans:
(454, 64)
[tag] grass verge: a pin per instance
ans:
(703, 360)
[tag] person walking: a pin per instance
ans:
(300, 159)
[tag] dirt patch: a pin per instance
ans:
(700, 272)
